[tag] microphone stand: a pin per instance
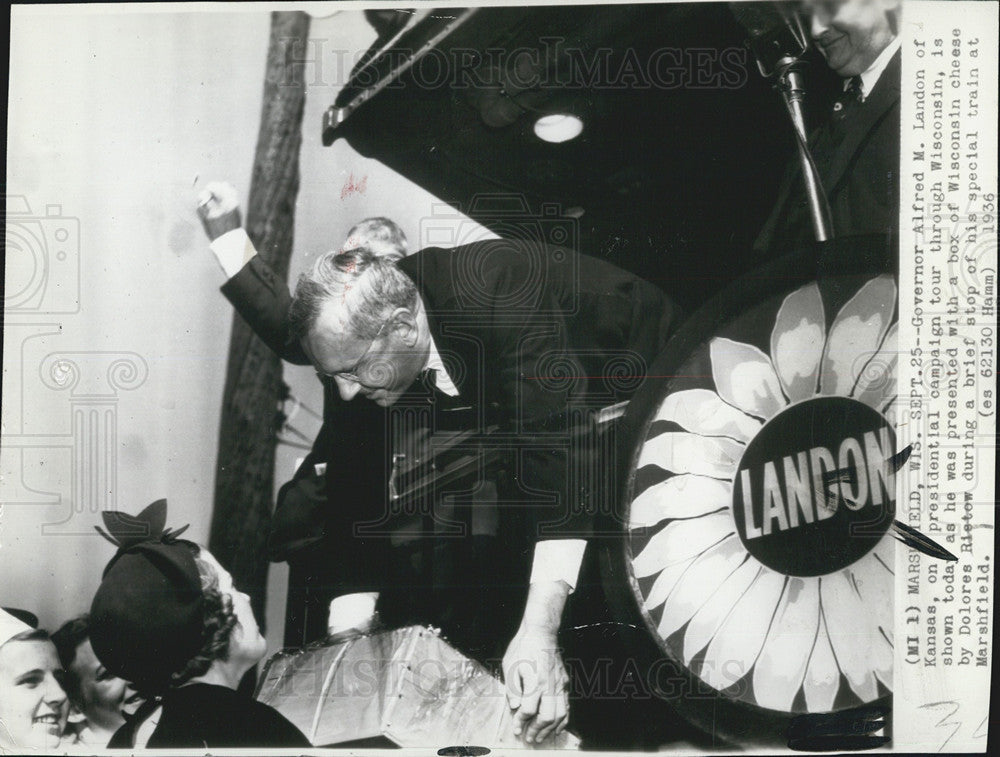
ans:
(778, 48)
(791, 84)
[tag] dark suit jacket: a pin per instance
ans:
(538, 338)
(860, 175)
(263, 300)
(352, 442)
(534, 337)
(205, 716)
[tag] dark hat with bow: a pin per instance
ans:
(147, 618)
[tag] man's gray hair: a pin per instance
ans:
(380, 235)
(366, 287)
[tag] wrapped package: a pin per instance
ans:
(407, 685)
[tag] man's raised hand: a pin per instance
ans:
(219, 209)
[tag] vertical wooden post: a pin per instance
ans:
(244, 479)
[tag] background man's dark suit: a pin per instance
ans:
(858, 162)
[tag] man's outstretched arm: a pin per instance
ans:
(537, 684)
(256, 292)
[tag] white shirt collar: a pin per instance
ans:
(436, 364)
(870, 77)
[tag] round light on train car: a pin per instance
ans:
(558, 127)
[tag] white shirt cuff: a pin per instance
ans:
(233, 250)
(351, 611)
(558, 560)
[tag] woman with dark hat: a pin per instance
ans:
(167, 618)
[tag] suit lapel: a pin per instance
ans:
(430, 271)
(883, 97)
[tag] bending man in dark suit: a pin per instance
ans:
(856, 150)
(529, 332)
(311, 522)
(351, 563)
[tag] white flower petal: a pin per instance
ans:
(877, 382)
(681, 539)
(889, 411)
(855, 335)
(702, 411)
(665, 583)
(822, 681)
(797, 342)
(875, 587)
(882, 662)
(706, 622)
(885, 551)
(736, 646)
(703, 577)
(680, 452)
(781, 668)
(745, 378)
(683, 496)
(850, 633)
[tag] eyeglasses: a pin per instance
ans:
(352, 374)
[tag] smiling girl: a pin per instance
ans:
(33, 706)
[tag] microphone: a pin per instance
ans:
(776, 36)
(778, 40)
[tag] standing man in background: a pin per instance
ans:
(856, 150)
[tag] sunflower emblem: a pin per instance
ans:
(758, 534)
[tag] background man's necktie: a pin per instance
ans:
(829, 137)
(846, 108)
